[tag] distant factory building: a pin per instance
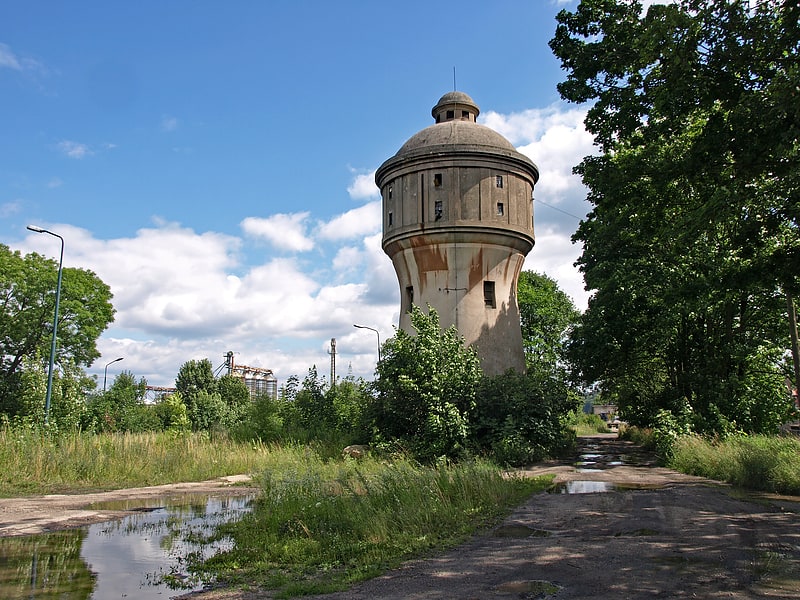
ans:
(259, 381)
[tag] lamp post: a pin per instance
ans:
(376, 333)
(55, 323)
(105, 371)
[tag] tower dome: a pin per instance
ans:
(457, 224)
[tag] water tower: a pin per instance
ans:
(457, 224)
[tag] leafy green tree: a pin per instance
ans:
(547, 315)
(310, 413)
(426, 389)
(208, 412)
(692, 242)
(171, 413)
(194, 377)
(27, 304)
(235, 394)
(519, 418)
(121, 407)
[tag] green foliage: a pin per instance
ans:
(196, 377)
(520, 419)
(321, 525)
(172, 413)
(547, 315)
(587, 423)
(236, 396)
(264, 421)
(758, 462)
(27, 305)
(426, 389)
(692, 242)
(208, 411)
(120, 408)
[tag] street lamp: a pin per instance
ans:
(105, 371)
(376, 333)
(55, 323)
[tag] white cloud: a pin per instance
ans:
(74, 149)
(363, 186)
(8, 209)
(556, 140)
(554, 254)
(357, 222)
(169, 123)
(8, 59)
(284, 231)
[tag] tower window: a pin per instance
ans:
(501, 210)
(498, 181)
(465, 114)
(390, 192)
(438, 209)
(437, 180)
(451, 114)
(410, 295)
(390, 218)
(488, 294)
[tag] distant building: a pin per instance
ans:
(259, 381)
(457, 224)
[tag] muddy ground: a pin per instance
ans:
(654, 534)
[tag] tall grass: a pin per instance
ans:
(34, 461)
(758, 462)
(318, 526)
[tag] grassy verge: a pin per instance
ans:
(320, 526)
(36, 463)
(758, 462)
(585, 424)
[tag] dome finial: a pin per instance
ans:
(455, 106)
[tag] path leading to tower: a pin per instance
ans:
(652, 532)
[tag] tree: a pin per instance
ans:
(547, 315)
(693, 239)
(121, 407)
(426, 389)
(194, 377)
(519, 418)
(236, 395)
(27, 304)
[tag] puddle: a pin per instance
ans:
(594, 487)
(141, 556)
(582, 487)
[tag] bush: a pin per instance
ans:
(520, 419)
(426, 390)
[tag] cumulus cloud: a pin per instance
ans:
(8, 59)
(363, 186)
(284, 231)
(8, 209)
(357, 222)
(556, 140)
(169, 123)
(74, 149)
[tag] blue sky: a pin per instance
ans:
(213, 162)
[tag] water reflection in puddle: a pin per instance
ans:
(135, 557)
(582, 487)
